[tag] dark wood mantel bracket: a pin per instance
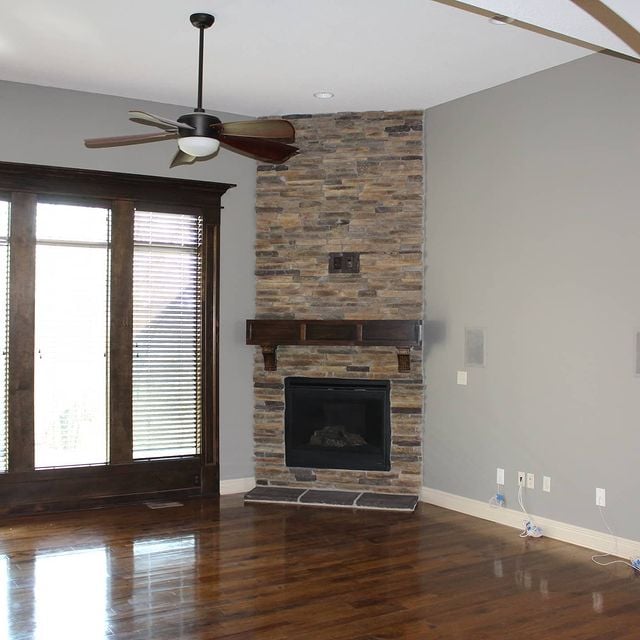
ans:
(270, 358)
(401, 334)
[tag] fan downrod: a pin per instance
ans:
(201, 20)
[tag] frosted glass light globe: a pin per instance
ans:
(198, 146)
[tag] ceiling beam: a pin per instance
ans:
(612, 21)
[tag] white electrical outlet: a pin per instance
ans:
(601, 498)
(531, 481)
(500, 475)
(521, 477)
(461, 378)
(546, 484)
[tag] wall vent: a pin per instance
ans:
(474, 347)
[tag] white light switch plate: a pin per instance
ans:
(546, 484)
(500, 475)
(462, 378)
(601, 498)
(531, 481)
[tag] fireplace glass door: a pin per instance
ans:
(337, 424)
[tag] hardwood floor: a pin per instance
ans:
(218, 569)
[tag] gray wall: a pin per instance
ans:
(533, 232)
(41, 125)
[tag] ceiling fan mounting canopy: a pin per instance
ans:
(199, 134)
(201, 20)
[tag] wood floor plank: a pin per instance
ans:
(215, 568)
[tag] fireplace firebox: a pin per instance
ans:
(332, 423)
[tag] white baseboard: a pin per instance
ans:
(236, 485)
(564, 531)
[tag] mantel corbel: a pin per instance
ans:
(269, 356)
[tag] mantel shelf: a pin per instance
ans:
(401, 334)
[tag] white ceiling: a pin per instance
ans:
(269, 56)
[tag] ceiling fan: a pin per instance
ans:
(200, 134)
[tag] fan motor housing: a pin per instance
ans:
(201, 122)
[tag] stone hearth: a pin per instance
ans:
(329, 498)
(356, 187)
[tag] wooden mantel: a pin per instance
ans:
(401, 334)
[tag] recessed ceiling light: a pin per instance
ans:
(501, 20)
(323, 95)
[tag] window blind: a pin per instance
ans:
(167, 309)
(4, 332)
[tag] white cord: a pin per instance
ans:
(521, 501)
(529, 528)
(524, 533)
(597, 557)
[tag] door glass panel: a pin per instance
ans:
(4, 331)
(71, 335)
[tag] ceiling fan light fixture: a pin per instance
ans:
(198, 146)
(199, 134)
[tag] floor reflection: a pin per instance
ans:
(282, 573)
(71, 594)
(598, 601)
(76, 593)
(4, 597)
(162, 584)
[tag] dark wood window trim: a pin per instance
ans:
(25, 489)
(121, 333)
(22, 253)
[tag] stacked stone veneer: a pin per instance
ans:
(357, 185)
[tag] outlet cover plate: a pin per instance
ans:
(521, 478)
(546, 484)
(601, 497)
(500, 475)
(344, 262)
(461, 378)
(531, 481)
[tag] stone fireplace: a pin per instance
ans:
(356, 187)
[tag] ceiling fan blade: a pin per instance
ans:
(119, 141)
(262, 150)
(149, 118)
(182, 158)
(278, 130)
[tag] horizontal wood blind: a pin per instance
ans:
(167, 334)
(4, 333)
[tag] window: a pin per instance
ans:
(4, 333)
(108, 325)
(71, 341)
(167, 285)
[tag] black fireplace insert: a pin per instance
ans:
(332, 423)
